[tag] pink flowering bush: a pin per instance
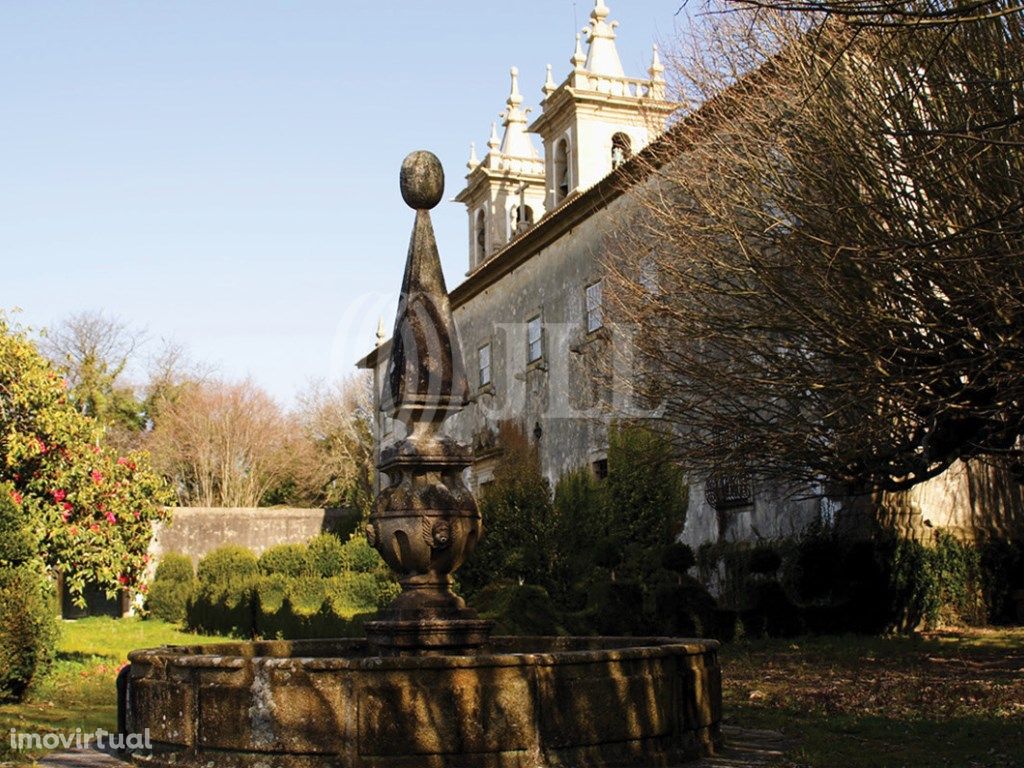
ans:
(91, 509)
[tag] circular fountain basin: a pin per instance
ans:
(522, 703)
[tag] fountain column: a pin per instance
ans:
(426, 522)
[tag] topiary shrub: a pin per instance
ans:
(519, 609)
(678, 558)
(327, 555)
(28, 628)
(285, 559)
(764, 560)
(306, 595)
(271, 592)
(359, 556)
(174, 585)
(684, 609)
(225, 594)
(617, 608)
(28, 609)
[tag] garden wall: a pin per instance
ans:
(195, 531)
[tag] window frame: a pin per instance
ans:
(596, 310)
(480, 367)
(539, 341)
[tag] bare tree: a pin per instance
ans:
(224, 445)
(95, 350)
(827, 263)
(336, 423)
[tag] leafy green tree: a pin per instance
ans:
(647, 496)
(91, 508)
(518, 544)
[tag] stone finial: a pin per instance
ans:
(494, 142)
(603, 56)
(382, 333)
(549, 84)
(425, 380)
(657, 70)
(516, 140)
(578, 57)
(474, 161)
(515, 98)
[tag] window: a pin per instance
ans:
(600, 468)
(480, 237)
(534, 340)
(595, 307)
(622, 149)
(485, 365)
(561, 170)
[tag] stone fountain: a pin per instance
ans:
(428, 687)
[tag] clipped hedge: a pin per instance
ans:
(28, 609)
(285, 559)
(174, 585)
(28, 629)
(322, 589)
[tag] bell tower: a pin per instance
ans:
(597, 118)
(504, 193)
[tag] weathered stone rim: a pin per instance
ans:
(355, 654)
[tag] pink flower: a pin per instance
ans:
(97, 476)
(16, 497)
(59, 495)
(41, 445)
(68, 506)
(137, 514)
(122, 579)
(95, 449)
(94, 528)
(65, 515)
(111, 518)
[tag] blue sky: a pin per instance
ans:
(224, 174)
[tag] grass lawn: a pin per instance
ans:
(940, 701)
(79, 690)
(951, 700)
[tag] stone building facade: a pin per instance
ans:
(535, 337)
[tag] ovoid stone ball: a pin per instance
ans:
(422, 180)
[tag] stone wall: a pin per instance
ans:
(197, 531)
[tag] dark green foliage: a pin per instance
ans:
(327, 555)
(764, 560)
(596, 549)
(617, 608)
(770, 612)
(647, 495)
(678, 557)
(28, 628)
(519, 609)
(519, 519)
(28, 608)
(1002, 568)
(685, 609)
(174, 585)
(286, 559)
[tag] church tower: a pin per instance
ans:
(597, 117)
(505, 192)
